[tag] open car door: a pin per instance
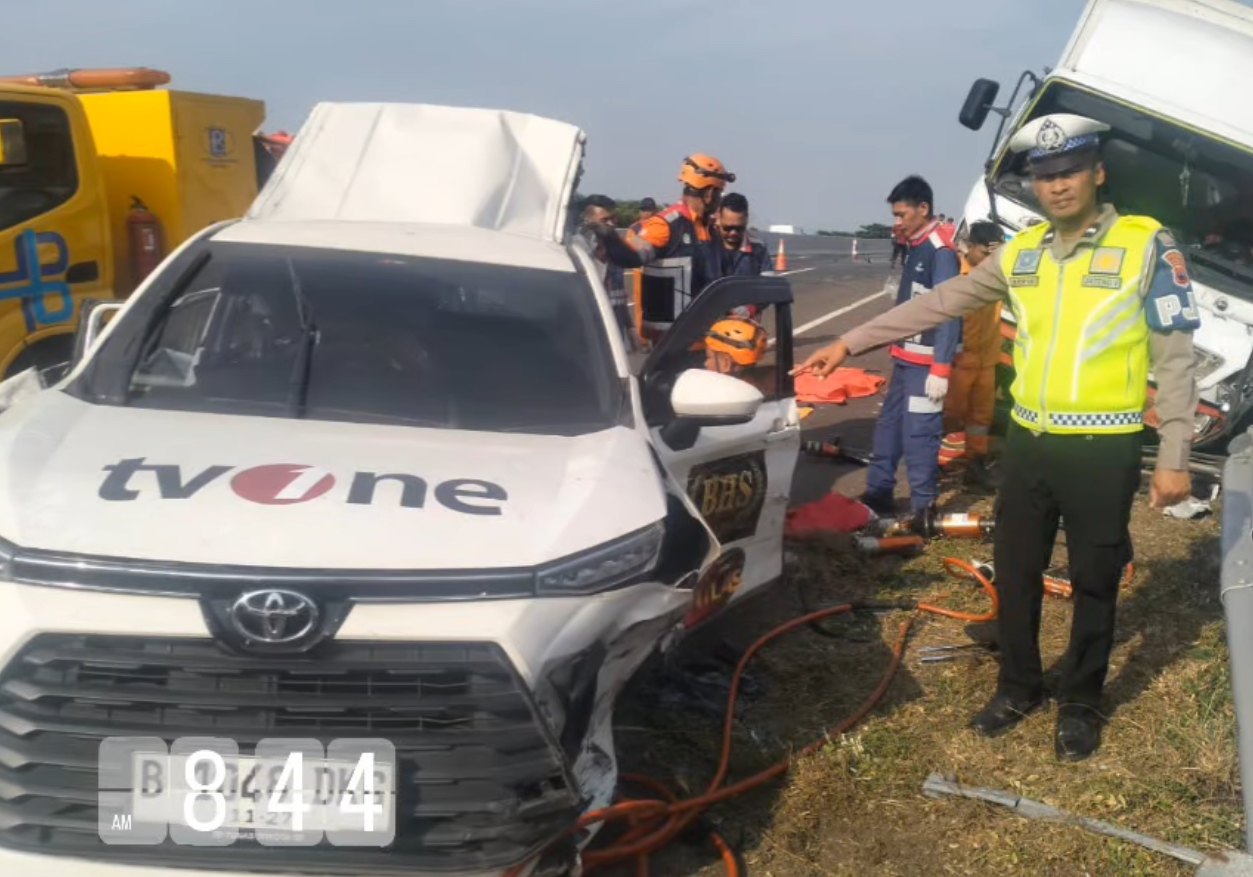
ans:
(736, 470)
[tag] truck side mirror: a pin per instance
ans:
(93, 317)
(979, 103)
(12, 143)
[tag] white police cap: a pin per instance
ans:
(1058, 142)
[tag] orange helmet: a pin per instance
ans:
(703, 171)
(742, 340)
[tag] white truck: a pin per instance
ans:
(1170, 78)
(366, 473)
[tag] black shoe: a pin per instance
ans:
(985, 632)
(883, 506)
(1003, 713)
(1078, 733)
(983, 474)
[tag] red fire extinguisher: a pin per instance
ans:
(147, 240)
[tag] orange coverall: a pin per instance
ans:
(970, 404)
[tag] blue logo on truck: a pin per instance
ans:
(44, 294)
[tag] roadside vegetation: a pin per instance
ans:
(1167, 767)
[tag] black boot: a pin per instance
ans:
(883, 506)
(1002, 713)
(1078, 733)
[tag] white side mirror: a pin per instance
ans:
(700, 394)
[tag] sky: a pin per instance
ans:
(818, 106)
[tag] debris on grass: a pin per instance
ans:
(1167, 767)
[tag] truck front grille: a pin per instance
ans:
(480, 784)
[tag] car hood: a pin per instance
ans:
(207, 488)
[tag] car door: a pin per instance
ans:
(737, 475)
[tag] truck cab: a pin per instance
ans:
(101, 175)
(1179, 149)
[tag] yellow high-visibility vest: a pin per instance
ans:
(1082, 352)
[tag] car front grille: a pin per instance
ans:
(480, 785)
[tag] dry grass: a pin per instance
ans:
(1167, 767)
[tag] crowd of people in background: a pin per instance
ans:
(941, 398)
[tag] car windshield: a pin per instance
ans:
(361, 337)
(1199, 187)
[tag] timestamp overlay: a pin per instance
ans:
(205, 791)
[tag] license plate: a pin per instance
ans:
(160, 790)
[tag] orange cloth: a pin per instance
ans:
(840, 386)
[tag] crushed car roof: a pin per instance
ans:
(456, 243)
(426, 165)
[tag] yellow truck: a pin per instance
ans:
(103, 173)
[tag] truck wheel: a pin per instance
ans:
(51, 357)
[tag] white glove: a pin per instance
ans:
(937, 388)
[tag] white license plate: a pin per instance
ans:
(160, 788)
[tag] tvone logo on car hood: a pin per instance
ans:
(292, 483)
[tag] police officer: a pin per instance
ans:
(675, 249)
(1099, 299)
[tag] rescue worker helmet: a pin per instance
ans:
(702, 171)
(744, 341)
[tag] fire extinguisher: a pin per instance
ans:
(147, 240)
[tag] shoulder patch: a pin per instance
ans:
(1171, 304)
(1179, 266)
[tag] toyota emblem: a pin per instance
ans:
(274, 617)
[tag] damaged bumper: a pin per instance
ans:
(500, 713)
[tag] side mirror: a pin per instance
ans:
(12, 143)
(93, 317)
(703, 398)
(979, 103)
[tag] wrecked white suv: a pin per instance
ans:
(372, 463)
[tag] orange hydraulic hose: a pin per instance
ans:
(657, 822)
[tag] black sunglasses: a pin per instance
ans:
(730, 228)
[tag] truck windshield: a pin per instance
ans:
(370, 338)
(1199, 187)
(49, 178)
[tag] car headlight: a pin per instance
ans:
(620, 562)
(1205, 363)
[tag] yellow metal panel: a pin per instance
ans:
(134, 137)
(188, 157)
(69, 242)
(217, 170)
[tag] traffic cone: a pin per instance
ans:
(780, 262)
(854, 249)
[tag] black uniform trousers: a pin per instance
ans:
(1088, 482)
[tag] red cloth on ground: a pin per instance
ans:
(838, 387)
(834, 513)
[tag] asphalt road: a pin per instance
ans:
(832, 295)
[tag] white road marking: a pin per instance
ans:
(839, 312)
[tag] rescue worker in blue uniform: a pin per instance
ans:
(741, 256)
(912, 421)
(1099, 299)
